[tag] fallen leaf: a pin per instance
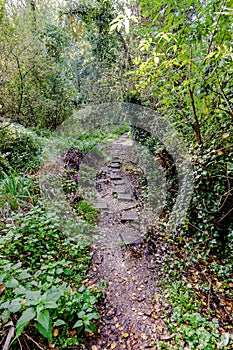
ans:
(125, 335)
(94, 347)
(113, 346)
(168, 337)
(2, 288)
(55, 332)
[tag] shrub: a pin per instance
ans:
(19, 149)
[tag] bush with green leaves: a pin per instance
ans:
(86, 211)
(189, 327)
(41, 280)
(20, 150)
(17, 192)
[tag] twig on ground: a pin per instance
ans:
(10, 335)
(20, 345)
(39, 347)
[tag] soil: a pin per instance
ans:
(131, 310)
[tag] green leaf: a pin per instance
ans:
(79, 323)
(81, 289)
(33, 297)
(59, 323)
(46, 333)
(23, 321)
(24, 275)
(52, 295)
(2, 276)
(50, 305)
(93, 316)
(12, 283)
(15, 305)
(20, 290)
(16, 266)
(43, 319)
(4, 305)
(81, 314)
(91, 328)
(224, 340)
(68, 272)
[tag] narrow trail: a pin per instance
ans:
(132, 308)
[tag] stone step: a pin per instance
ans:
(120, 189)
(115, 176)
(115, 165)
(119, 182)
(115, 171)
(124, 197)
(129, 216)
(130, 236)
(102, 181)
(101, 205)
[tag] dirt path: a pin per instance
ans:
(131, 310)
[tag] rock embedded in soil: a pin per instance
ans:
(130, 236)
(119, 189)
(115, 165)
(126, 197)
(115, 176)
(101, 205)
(129, 216)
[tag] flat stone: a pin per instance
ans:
(115, 165)
(129, 206)
(120, 189)
(118, 182)
(115, 171)
(101, 205)
(126, 197)
(101, 181)
(115, 176)
(131, 236)
(129, 216)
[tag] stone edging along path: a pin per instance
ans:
(131, 309)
